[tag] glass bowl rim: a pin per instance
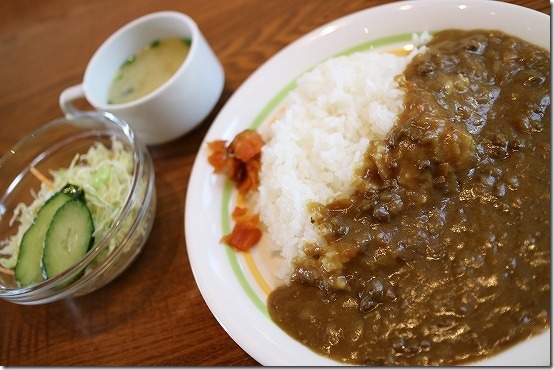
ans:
(140, 160)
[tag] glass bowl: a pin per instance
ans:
(54, 146)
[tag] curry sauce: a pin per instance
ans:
(441, 255)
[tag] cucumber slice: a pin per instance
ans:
(28, 269)
(68, 239)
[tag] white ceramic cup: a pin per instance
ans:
(173, 109)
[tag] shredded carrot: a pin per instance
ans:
(41, 177)
(6, 271)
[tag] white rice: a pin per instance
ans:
(314, 145)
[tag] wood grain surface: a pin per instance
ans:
(154, 313)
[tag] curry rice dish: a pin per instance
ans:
(439, 252)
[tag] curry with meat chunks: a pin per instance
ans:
(441, 255)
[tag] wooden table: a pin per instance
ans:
(153, 314)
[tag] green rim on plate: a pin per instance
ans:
(228, 187)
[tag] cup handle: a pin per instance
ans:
(67, 96)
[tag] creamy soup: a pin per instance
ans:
(148, 69)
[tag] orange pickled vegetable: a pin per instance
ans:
(246, 145)
(241, 162)
(246, 232)
(218, 156)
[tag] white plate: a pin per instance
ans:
(234, 285)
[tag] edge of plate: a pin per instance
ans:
(256, 350)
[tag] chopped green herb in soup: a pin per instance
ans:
(147, 70)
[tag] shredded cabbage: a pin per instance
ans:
(104, 173)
